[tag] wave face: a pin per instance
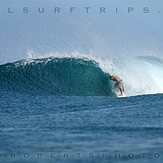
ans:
(65, 76)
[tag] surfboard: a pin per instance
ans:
(121, 96)
(117, 92)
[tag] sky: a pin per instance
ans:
(103, 34)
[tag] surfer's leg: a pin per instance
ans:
(121, 91)
(123, 88)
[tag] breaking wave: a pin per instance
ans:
(65, 76)
(87, 75)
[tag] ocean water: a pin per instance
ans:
(64, 110)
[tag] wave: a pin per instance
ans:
(82, 75)
(65, 76)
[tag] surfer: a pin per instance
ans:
(118, 85)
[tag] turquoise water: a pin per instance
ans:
(68, 76)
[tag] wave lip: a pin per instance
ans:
(65, 76)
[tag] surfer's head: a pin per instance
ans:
(111, 76)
